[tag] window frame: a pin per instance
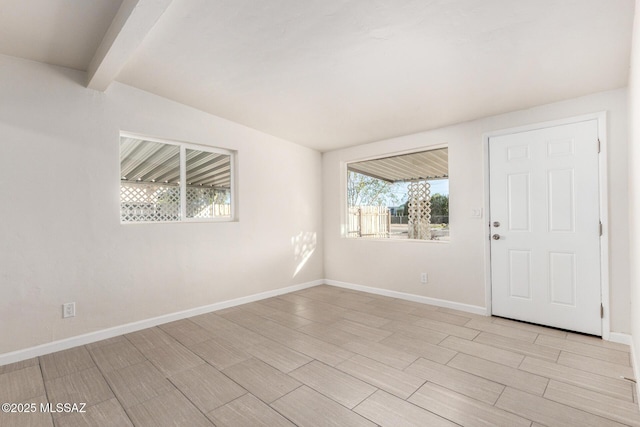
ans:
(344, 170)
(184, 146)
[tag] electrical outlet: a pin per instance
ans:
(424, 278)
(68, 309)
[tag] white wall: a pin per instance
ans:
(457, 269)
(60, 235)
(634, 187)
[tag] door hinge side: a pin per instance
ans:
(598, 145)
(600, 228)
(601, 311)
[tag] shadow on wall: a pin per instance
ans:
(304, 244)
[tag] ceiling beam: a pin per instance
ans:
(132, 23)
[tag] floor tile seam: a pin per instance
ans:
(526, 354)
(416, 390)
(88, 406)
(586, 355)
(521, 325)
(264, 303)
(172, 344)
(435, 328)
(249, 391)
(602, 343)
(621, 380)
(183, 343)
(580, 343)
(345, 373)
(229, 402)
(565, 405)
(600, 391)
(168, 378)
(341, 344)
(441, 320)
(261, 401)
(484, 358)
(46, 392)
(143, 351)
(270, 364)
(412, 404)
(592, 361)
(358, 324)
(374, 385)
(510, 411)
(22, 369)
(222, 371)
(70, 373)
(264, 316)
(417, 356)
(481, 402)
(114, 369)
(405, 333)
(301, 366)
(498, 398)
(362, 415)
(515, 329)
(284, 344)
(588, 410)
(173, 388)
(254, 331)
(499, 383)
(104, 378)
(504, 386)
(295, 328)
(270, 405)
(166, 375)
(193, 403)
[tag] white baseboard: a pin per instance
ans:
(64, 344)
(411, 297)
(620, 338)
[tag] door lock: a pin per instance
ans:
(496, 237)
(496, 224)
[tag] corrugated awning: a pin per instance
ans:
(149, 161)
(429, 165)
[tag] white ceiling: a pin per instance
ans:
(334, 73)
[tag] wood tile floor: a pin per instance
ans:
(327, 356)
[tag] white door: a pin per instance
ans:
(545, 226)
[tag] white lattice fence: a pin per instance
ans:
(149, 202)
(207, 202)
(369, 221)
(419, 207)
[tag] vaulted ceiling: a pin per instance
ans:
(333, 73)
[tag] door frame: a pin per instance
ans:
(601, 118)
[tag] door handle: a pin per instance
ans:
(496, 224)
(496, 237)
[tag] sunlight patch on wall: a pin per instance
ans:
(304, 245)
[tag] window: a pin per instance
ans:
(399, 197)
(162, 181)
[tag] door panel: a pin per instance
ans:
(520, 274)
(562, 278)
(519, 202)
(561, 200)
(545, 264)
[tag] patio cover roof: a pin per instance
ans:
(424, 165)
(148, 161)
